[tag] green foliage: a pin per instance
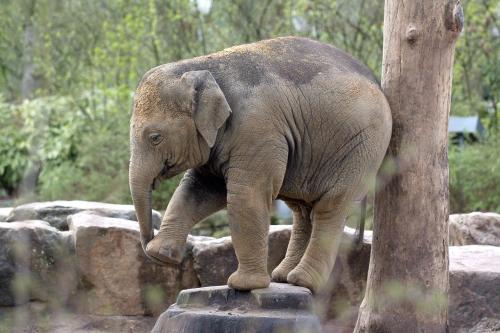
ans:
(217, 225)
(13, 147)
(476, 80)
(475, 177)
(86, 57)
(161, 196)
(97, 167)
(81, 145)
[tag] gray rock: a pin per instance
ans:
(474, 298)
(279, 308)
(116, 277)
(279, 235)
(345, 288)
(214, 260)
(35, 263)
(56, 212)
(4, 213)
(474, 286)
(39, 262)
(485, 325)
(475, 229)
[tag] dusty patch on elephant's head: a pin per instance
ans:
(147, 99)
(156, 97)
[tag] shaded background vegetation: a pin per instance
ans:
(68, 70)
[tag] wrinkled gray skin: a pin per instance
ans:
(287, 118)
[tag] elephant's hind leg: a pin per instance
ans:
(317, 263)
(299, 239)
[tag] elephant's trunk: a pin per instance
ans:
(141, 195)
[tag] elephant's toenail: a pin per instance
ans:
(171, 253)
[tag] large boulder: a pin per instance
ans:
(4, 213)
(346, 286)
(103, 254)
(475, 229)
(56, 212)
(35, 264)
(214, 260)
(485, 325)
(116, 277)
(474, 288)
(474, 297)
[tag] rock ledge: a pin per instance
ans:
(278, 308)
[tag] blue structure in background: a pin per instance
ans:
(463, 129)
(282, 211)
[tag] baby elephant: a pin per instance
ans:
(287, 118)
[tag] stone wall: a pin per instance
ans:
(475, 229)
(86, 258)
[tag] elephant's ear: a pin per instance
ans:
(209, 106)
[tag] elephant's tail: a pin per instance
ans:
(361, 223)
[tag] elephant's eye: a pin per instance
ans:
(155, 138)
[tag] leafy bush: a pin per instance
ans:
(79, 146)
(217, 225)
(13, 147)
(475, 177)
(161, 195)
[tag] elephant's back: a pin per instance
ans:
(299, 59)
(295, 59)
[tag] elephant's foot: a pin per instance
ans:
(248, 281)
(165, 251)
(300, 276)
(280, 273)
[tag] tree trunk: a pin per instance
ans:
(29, 81)
(408, 277)
(29, 84)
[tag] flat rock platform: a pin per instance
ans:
(279, 308)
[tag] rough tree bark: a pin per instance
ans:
(408, 276)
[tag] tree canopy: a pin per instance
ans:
(68, 70)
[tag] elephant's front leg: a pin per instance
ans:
(248, 210)
(197, 196)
